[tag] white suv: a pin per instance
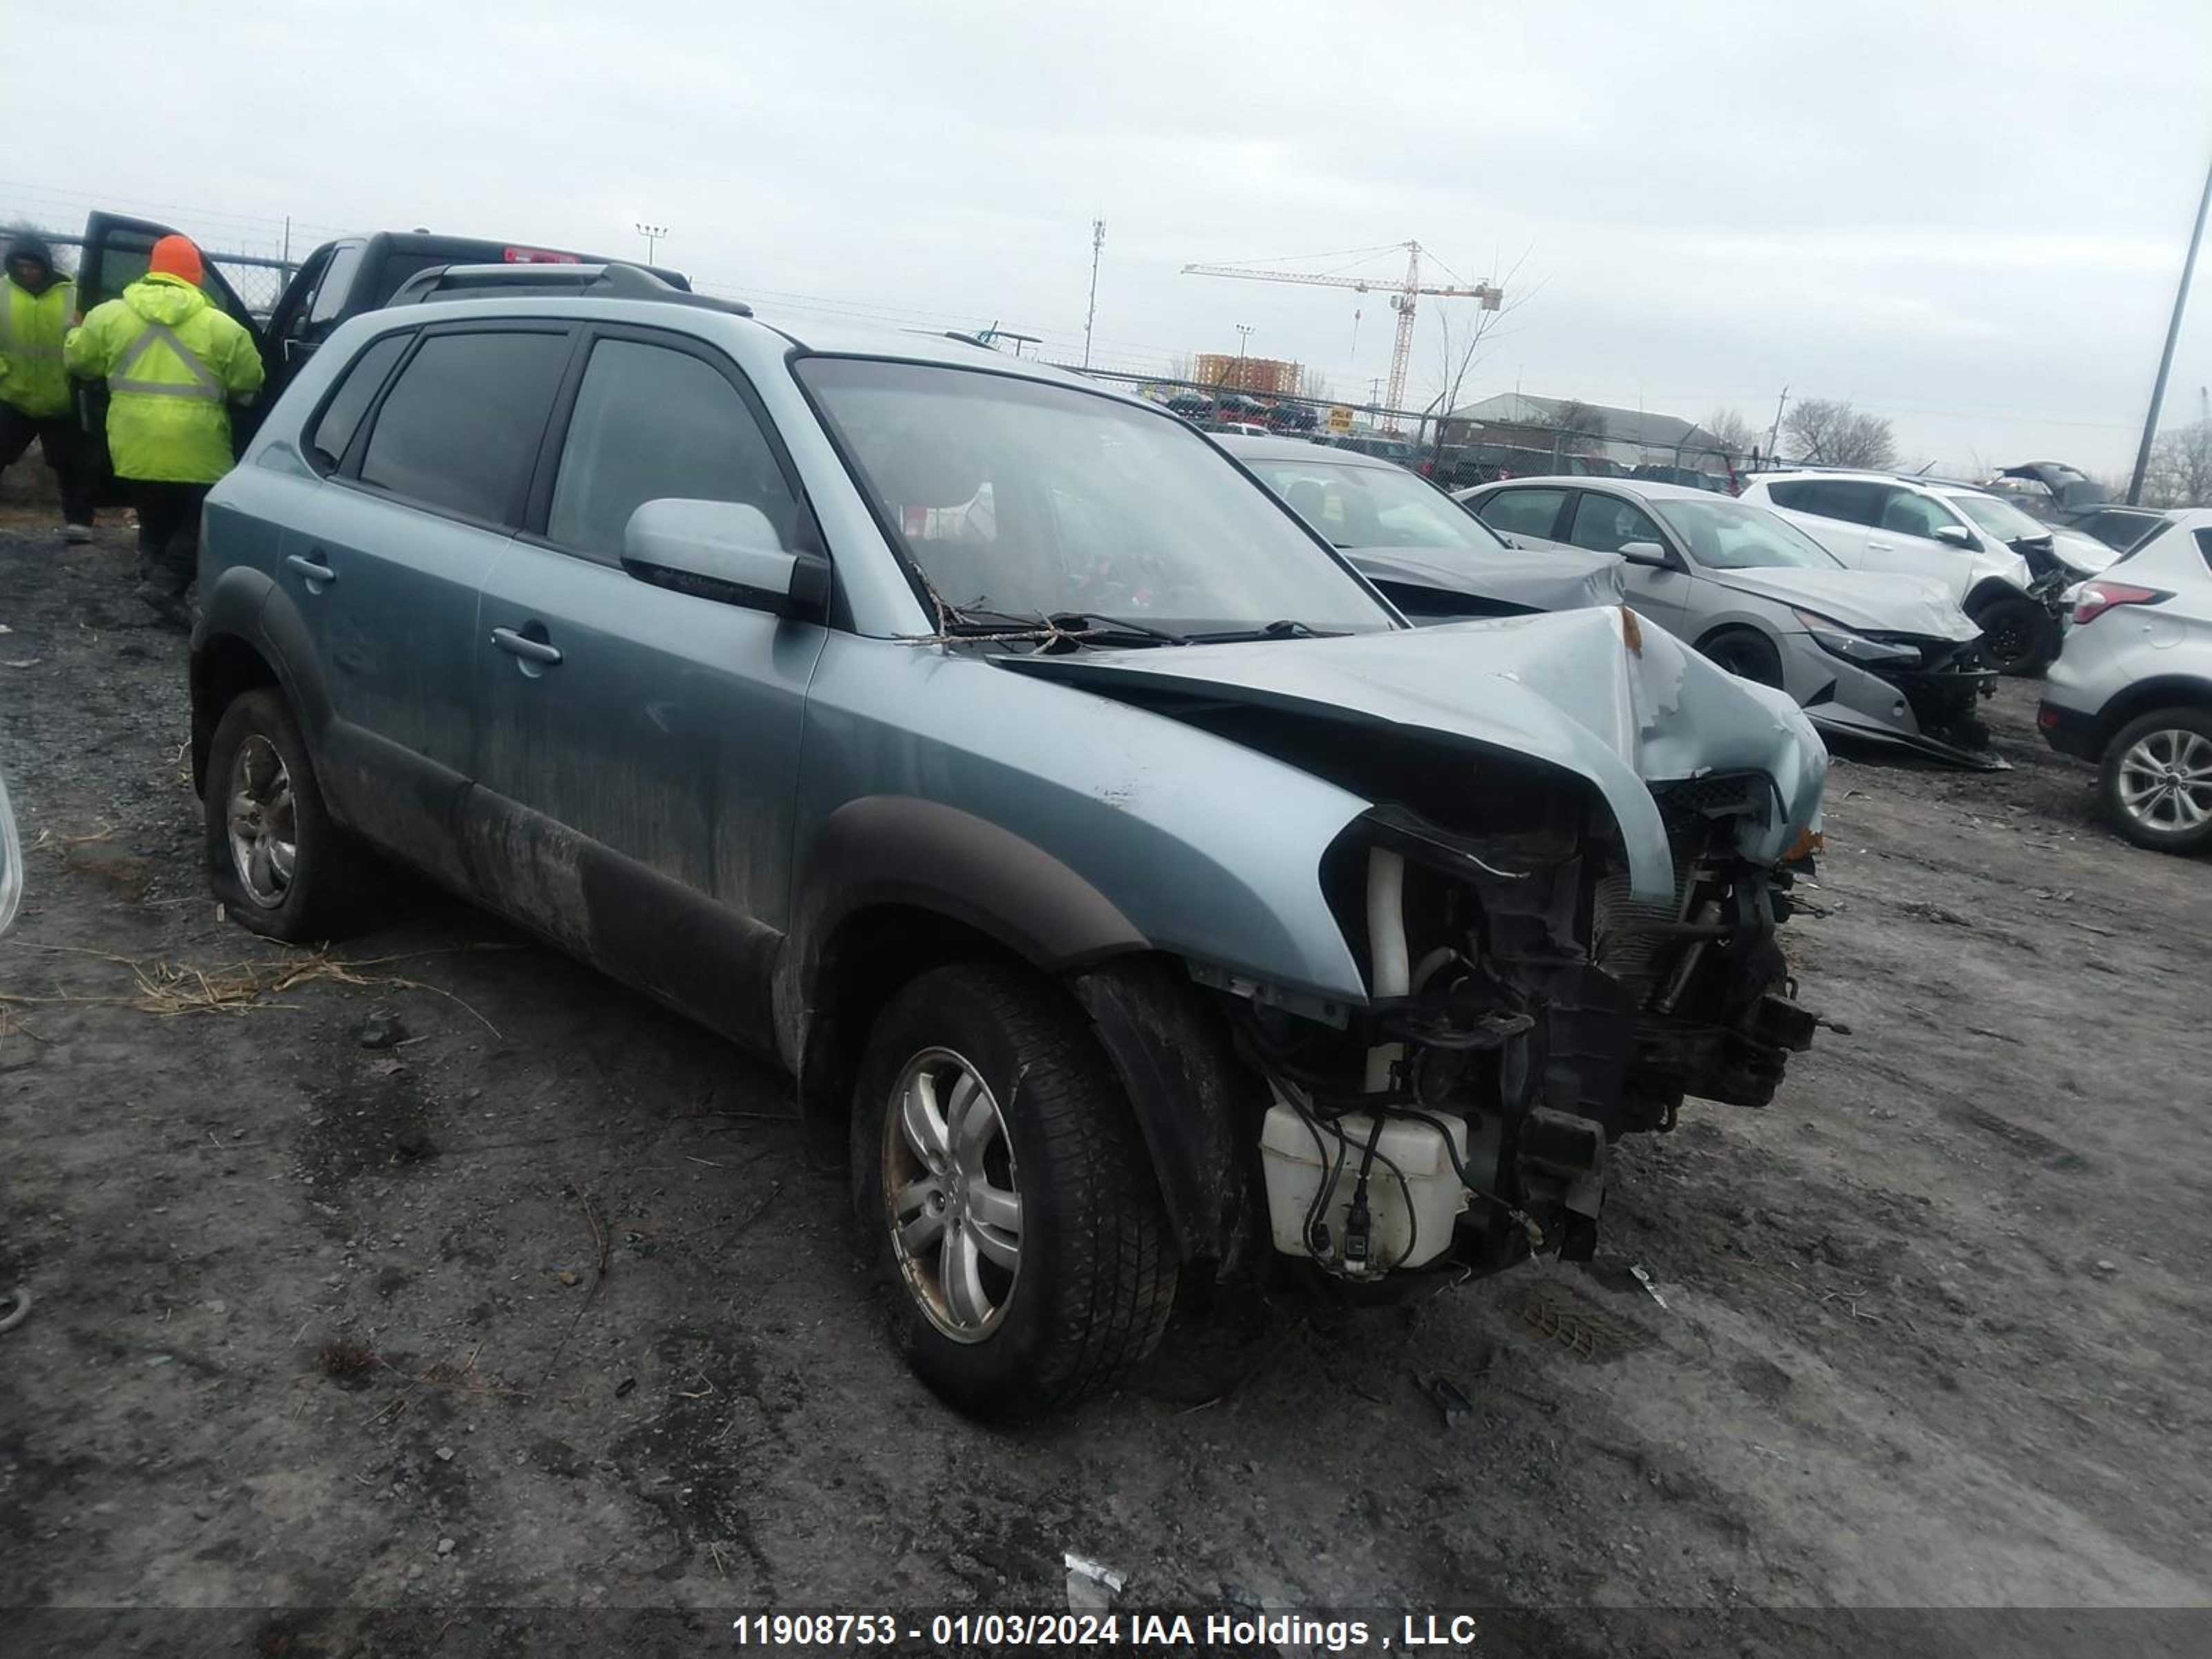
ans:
(1873, 521)
(2132, 690)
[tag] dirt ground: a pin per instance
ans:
(455, 1300)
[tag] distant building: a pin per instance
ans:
(1632, 437)
(1271, 377)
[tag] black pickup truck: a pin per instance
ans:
(338, 280)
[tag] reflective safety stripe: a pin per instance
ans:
(205, 386)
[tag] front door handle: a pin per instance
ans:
(520, 645)
(319, 576)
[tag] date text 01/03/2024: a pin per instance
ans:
(1197, 1631)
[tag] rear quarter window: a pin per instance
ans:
(363, 377)
(461, 425)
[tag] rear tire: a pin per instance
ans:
(1745, 653)
(1026, 1258)
(275, 858)
(2019, 636)
(2156, 780)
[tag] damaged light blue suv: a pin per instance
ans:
(1135, 897)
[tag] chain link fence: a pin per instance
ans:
(258, 279)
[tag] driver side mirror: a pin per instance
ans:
(726, 551)
(1648, 553)
(1956, 534)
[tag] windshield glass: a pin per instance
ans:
(1023, 499)
(1725, 535)
(1373, 506)
(2001, 518)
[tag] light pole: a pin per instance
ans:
(1244, 333)
(1097, 247)
(653, 233)
(2166, 357)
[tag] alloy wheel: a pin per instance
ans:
(952, 1194)
(2166, 780)
(264, 846)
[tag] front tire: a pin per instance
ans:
(275, 858)
(2019, 636)
(1004, 1195)
(2156, 780)
(1745, 653)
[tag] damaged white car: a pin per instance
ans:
(1132, 891)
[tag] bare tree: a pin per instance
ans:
(2180, 472)
(1577, 428)
(1829, 432)
(1735, 435)
(1459, 351)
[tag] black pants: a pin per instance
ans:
(169, 533)
(63, 443)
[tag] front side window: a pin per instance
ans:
(1606, 524)
(1023, 498)
(364, 379)
(651, 423)
(1522, 512)
(460, 428)
(1911, 514)
(1373, 507)
(1727, 535)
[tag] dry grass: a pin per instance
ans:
(169, 989)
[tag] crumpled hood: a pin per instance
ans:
(2084, 555)
(1596, 692)
(1873, 601)
(1552, 580)
(164, 300)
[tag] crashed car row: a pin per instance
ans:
(1137, 898)
(1888, 655)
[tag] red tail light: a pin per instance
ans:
(2093, 599)
(540, 256)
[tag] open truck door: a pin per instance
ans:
(117, 251)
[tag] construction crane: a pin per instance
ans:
(1403, 297)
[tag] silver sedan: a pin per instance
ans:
(1866, 654)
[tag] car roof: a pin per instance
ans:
(1302, 449)
(1648, 489)
(830, 339)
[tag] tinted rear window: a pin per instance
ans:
(461, 426)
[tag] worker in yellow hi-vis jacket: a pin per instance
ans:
(174, 365)
(36, 304)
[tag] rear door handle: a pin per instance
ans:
(519, 645)
(1875, 545)
(310, 570)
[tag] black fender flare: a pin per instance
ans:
(905, 855)
(1991, 590)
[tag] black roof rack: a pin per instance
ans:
(531, 280)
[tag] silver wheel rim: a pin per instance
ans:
(264, 837)
(2166, 780)
(951, 1194)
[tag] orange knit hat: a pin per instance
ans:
(175, 256)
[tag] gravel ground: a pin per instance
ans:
(456, 1293)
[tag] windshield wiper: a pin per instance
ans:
(1094, 623)
(1084, 627)
(1285, 629)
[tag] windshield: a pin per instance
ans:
(1373, 506)
(1725, 535)
(2001, 518)
(1025, 499)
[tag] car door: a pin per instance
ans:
(427, 444)
(1906, 524)
(1837, 513)
(639, 746)
(1658, 592)
(313, 304)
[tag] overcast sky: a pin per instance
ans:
(1967, 216)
